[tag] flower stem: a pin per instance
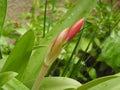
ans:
(44, 23)
(34, 6)
(0, 54)
(40, 77)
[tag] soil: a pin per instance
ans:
(17, 7)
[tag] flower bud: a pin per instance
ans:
(74, 29)
(65, 36)
(55, 47)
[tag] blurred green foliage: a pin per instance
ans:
(93, 53)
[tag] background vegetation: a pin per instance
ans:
(93, 53)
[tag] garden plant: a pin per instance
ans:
(62, 45)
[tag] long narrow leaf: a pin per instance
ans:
(19, 56)
(3, 8)
(104, 83)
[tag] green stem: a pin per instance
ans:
(40, 77)
(51, 15)
(0, 54)
(0, 50)
(78, 65)
(44, 24)
(70, 59)
(34, 10)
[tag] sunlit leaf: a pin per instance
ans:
(14, 84)
(92, 72)
(6, 76)
(59, 83)
(84, 43)
(104, 83)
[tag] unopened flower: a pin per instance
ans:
(65, 36)
(55, 49)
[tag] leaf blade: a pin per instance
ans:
(14, 84)
(19, 56)
(58, 83)
(96, 82)
(6, 76)
(3, 9)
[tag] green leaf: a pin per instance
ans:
(79, 10)
(14, 84)
(92, 72)
(85, 42)
(0, 54)
(111, 51)
(19, 56)
(6, 76)
(59, 83)
(70, 89)
(3, 9)
(108, 85)
(2, 62)
(117, 74)
(104, 83)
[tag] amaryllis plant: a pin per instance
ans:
(55, 48)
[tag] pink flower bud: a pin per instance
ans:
(55, 47)
(75, 29)
(65, 36)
